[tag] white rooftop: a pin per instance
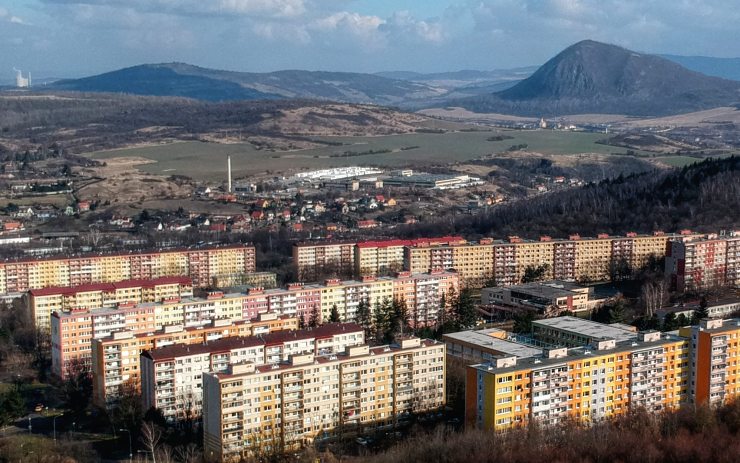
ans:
(588, 328)
(483, 340)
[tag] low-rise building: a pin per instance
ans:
(478, 346)
(576, 332)
(547, 298)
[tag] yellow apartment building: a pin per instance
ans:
(251, 408)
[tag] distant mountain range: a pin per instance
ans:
(586, 77)
(184, 80)
(593, 77)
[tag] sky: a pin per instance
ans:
(73, 38)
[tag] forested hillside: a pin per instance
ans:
(703, 196)
(701, 435)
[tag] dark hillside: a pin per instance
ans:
(593, 77)
(162, 81)
(185, 80)
(703, 196)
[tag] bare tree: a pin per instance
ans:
(151, 436)
(653, 296)
(188, 453)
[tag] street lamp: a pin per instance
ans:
(54, 423)
(130, 454)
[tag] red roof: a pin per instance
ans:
(366, 223)
(325, 331)
(384, 243)
(54, 290)
(271, 339)
(141, 283)
(435, 241)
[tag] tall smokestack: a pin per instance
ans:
(228, 164)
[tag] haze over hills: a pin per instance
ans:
(593, 77)
(178, 79)
(588, 77)
(727, 68)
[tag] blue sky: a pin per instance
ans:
(60, 38)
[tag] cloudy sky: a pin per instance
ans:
(67, 38)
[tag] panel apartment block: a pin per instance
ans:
(585, 384)
(43, 302)
(703, 262)
(171, 376)
(249, 407)
(115, 358)
(313, 260)
(715, 374)
(202, 265)
(376, 258)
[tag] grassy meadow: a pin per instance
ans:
(207, 161)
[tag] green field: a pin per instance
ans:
(679, 161)
(208, 160)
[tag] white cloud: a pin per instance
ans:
(364, 27)
(267, 8)
(403, 24)
(6, 16)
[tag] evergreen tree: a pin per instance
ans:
(652, 323)
(334, 315)
(523, 322)
(302, 322)
(398, 320)
(535, 273)
(448, 316)
(465, 313)
(383, 320)
(670, 322)
(682, 320)
(701, 312)
(442, 311)
(365, 317)
(315, 319)
(12, 407)
(616, 312)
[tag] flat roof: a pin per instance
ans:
(484, 340)
(333, 358)
(588, 328)
(548, 290)
(584, 352)
(730, 324)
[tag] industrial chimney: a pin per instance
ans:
(228, 166)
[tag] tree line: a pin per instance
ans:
(704, 196)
